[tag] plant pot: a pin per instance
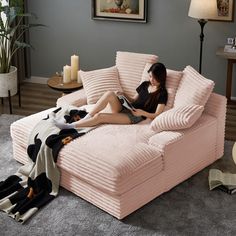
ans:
(8, 82)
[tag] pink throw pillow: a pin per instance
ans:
(130, 66)
(172, 82)
(193, 88)
(181, 117)
(97, 82)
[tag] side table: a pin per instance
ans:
(56, 83)
(231, 58)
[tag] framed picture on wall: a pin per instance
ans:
(120, 10)
(225, 10)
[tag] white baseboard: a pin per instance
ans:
(37, 80)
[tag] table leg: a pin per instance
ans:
(9, 98)
(229, 79)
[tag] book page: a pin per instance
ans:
(217, 178)
(125, 102)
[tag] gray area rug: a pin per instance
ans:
(188, 209)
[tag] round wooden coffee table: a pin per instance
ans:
(56, 83)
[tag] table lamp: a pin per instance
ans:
(202, 10)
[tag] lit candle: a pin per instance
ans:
(74, 67)
(66, 74)
(79, 78)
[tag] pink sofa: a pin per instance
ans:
(120, 168)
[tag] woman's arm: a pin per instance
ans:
(140, 112)
(131, 99)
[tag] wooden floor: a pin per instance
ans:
(38, 97)
(230, 129)
(34, 98)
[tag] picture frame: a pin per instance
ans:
(120, 10)
(225, 11)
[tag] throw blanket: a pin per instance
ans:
(37, 182)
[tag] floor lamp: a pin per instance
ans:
(202, 10)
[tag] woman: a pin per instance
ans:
(149, 101)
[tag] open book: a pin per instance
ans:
(125, 102)
(223, 181)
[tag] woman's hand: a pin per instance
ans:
(137, 112)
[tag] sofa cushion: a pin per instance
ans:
(181, 117)
(77, 98)
(130, 66)
(193, 88)
(114, 158)
(172, 82)
(97, 82)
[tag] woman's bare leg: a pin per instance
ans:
(108, 97)
(103, 118)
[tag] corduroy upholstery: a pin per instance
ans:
(120, 168)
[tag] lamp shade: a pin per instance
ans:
(203, 9)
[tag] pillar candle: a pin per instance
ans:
(66, 74)
(74, 67)
(79, 78)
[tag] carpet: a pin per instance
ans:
(188, 209)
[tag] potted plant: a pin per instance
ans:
(12, 29)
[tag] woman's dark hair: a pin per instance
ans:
(158, 71)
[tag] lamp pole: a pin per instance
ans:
(202, 23)
(202, 10)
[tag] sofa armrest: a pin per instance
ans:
(216, 106)
(77, 98)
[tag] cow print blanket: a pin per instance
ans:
(37, 183)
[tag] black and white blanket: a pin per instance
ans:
(37, 182)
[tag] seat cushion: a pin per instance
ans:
(193, 88)
(97, 82)
(130, 66)
(113, 158)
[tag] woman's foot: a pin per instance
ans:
(62, 125)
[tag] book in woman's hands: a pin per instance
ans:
(125, 102)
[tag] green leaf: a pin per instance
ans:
(12, 32)
(22, 45)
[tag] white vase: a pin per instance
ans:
(8, 81)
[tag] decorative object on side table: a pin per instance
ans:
(68, 80)
(232, 46)
(120, 10)
(70, 73)
(66, 74)
(202, 10)
(10, 44)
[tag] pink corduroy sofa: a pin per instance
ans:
(120, 168)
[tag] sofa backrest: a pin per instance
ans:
(130, 67)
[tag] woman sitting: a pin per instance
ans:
(148, 102)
